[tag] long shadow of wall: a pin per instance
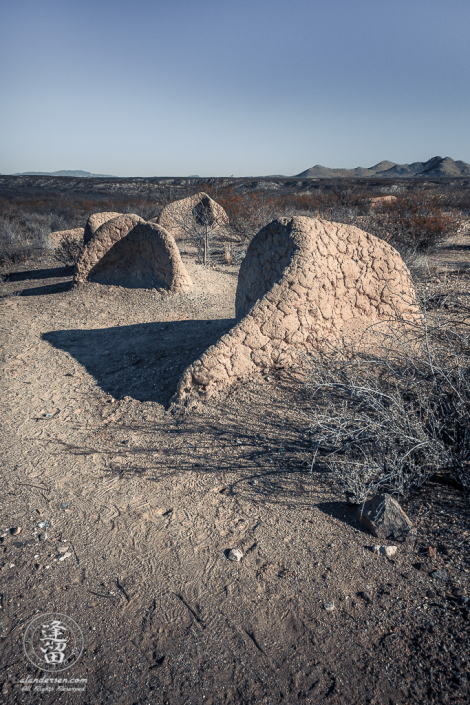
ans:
(144, 361)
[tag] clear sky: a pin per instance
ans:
(222, 87)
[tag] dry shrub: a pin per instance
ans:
(68, 251)
(389, 415)
(247, 211)
(415, 221)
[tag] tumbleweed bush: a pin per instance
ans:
(389, 414)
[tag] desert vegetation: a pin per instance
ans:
(144, 506)
(414, 221)
(393, 410)
(388, 416)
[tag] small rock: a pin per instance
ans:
(62, 549)
(388, 551)
(43, 524)
(431, 552)
(366, 596)
(384, 518)
(459, 592)
(329, 606)
(15, 530)
(66, 555)
(42, 537)
(65, 505)
(431, 594)
(439, 575)
(235, 554)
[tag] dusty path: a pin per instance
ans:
(148, 504)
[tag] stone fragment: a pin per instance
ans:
(329, 606)
(384, 518)
(439, 575)
(15, 530)
(235, 554)
(388, 551)
(366, 596)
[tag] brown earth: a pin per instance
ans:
(148, 503)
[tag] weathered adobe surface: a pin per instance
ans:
(303, 282)
(95, 221)
(179, 217)
(58, 236)
(127, 251)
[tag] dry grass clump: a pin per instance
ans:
(389, 415)
(68, 251)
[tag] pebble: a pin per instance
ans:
(439, 574)
(388, 551)
(65, 505)
(235, 554)
(366, 597)
(62, 549)
(43, 524)
(15, 530)
(42, 537)
(66, 555)
(329, 606)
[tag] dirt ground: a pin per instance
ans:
(148, 503)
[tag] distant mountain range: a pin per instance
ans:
(436, 167)
(74, 174)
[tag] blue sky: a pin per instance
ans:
(215, 88)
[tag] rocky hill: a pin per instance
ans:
(435, 167)
(78, 174)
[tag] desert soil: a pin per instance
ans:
(148, 503)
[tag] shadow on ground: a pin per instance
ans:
(143, 361)
(59, 288)
(40, 274)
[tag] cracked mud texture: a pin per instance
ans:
(95, 221)
(130, 252)
(179, 217)
(303, 281)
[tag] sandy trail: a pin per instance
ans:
(148, 504)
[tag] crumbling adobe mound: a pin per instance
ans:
(127, 251)
(57, 237)
(303, 281)
(95, 221)
(180, 217)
